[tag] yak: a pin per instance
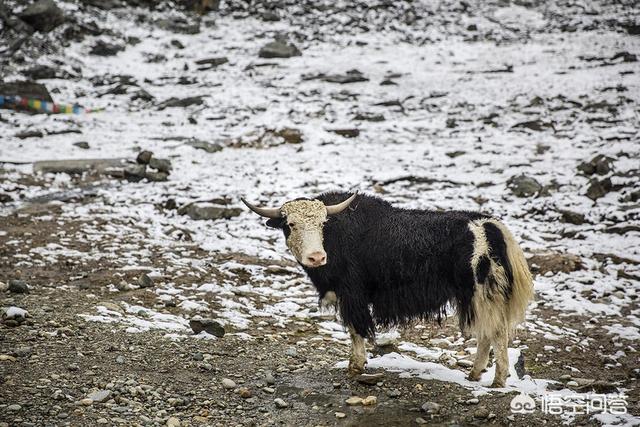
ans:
(386, 266)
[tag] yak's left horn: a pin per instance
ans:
(334, 209)
(266, 212)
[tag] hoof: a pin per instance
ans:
(474, 376)
(355, 370)
(497, 384)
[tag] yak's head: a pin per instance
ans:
(302, 221)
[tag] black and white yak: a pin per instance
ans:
(386, 266)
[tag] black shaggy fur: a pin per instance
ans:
(389, 266)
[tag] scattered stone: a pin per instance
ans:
(18, 287)
(208, 211)
(43, 15)
(204, 145)
(535, 125)
(86, 402)
(600, 165)
(161, 165)
(347, 133)
(340, 415)
(351, 76)
(82, 144)
(465, 363)
(369, 117)
(244, 392)
(99, 396)
(482, 412)
(431, 407)
(173, 422)
(394, 393)
(354, 401)
(370, 379)
(209, 63)
(144, 157)
(554, 262)
(523, 186)
(179, 25)
(369, 401)
(181, 102)
(120, 360)
(472, 401)
(269, 378)
(102, 48)
(598, 188)
(228, 383)
(24, 89)
(14, 408)
(280, 403)
(144, 281)
(279, 49)
(209, 326)
(571, 217)
(420, 421)
(80, 166)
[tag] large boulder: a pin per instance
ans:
(25, 89)
(43, 15)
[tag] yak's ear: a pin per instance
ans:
(275, 222)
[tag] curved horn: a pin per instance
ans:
(266, 212)
(334, 209)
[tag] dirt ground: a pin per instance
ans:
(53, 360)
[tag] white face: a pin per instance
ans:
(305, 219)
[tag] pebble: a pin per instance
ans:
(394, 393)
(431, 407)
(481, 412)
(86, 402)
(99, 396)
(473, 401)
(144, 281)
(354, 400)
(421, 420)
(280, 403)
(173, 422)
(244, 392)
(102, 421)
(370, 379)
(369, 401)
(465, 363)
(120, 360)
(13, 408)
(269, 390)
(269, 378)
(228, 384)
(572, 383)
(340, 415)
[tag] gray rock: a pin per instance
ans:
(209, 63)
(269, 378)
(351, 76)
(204, 145)
(209, 211)
(181, 102)
(43, 15)
(26, 90)
(18, 287)
(600, 165)
(161, 165)
(144, 157)
(228, 383)
(572, 217)
(280, 403)
(179, 25)
(279, 49)
(156, 176)
(102, 48)
(207, 325)
(482, 412)
(598, 188)
(14, 408)
(431, 407)
(144, 281)
(472, 401)
(523, 186)
(120, 360)
(79, 166)
(100, 396)
(82, 144)
(370, 379)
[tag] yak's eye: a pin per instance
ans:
(291, 224)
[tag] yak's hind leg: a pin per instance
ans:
(482, 358)
(501, 347)
(358, 357)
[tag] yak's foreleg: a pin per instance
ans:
(358, 357)
(329, 301)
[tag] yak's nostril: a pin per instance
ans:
(317, 258)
